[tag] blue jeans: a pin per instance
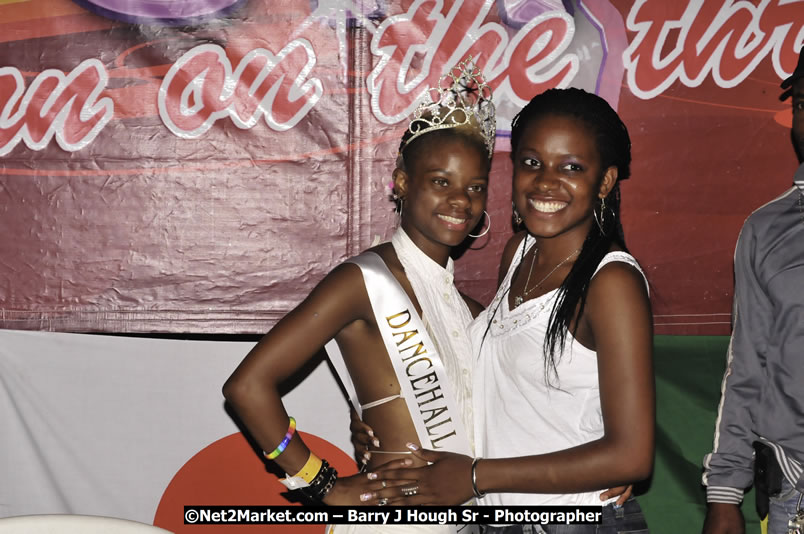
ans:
(782, 508)
(625, 520)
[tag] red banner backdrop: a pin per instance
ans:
(200, 168)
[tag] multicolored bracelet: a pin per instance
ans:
(282, 446)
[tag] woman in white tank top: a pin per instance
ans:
(564, 393)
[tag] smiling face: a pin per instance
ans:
(444, 186)
(558, 177)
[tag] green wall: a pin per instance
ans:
(689, 371)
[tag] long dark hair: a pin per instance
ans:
(614, 147)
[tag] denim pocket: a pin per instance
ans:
(628, 519)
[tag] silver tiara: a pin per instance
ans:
(461, 98)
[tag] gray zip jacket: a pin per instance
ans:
(763, 387)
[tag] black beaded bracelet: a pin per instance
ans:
(324, 491)
(322, 483)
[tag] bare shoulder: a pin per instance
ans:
(344, 278)
(618, 278)
(348, 277)
(387, 252)
(508, 254)
(618, 298)
(342, 294)
(511, 246)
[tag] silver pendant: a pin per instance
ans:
(518, 300)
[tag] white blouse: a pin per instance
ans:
(516, 412)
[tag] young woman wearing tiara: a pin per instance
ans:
(396, 321)
(564, 394)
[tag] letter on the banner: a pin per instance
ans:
(201, 88)
(66, 107)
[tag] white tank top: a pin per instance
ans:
(516, 412)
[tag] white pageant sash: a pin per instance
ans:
(423, 381)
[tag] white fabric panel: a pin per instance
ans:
(74, 524)
(99, 425)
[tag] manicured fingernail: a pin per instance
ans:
(412, 446)
(372, 476)
(371, 433)
(366, 496)
(366, 457)
(407, 461)
(376, 442)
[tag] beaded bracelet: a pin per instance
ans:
(333, 477)
(282, 446)
(476, 491)
(322, 483)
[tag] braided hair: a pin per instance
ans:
(614, 147)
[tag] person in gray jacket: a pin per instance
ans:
(762, 404)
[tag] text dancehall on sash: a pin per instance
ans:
(422, 378)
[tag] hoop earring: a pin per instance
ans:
(601, 220)
(516, 215)
(484, 232)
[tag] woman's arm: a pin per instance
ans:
(253, 388)
(618, 316)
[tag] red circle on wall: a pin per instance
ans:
(228, 472)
